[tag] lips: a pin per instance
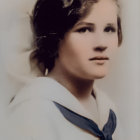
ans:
(99, 58)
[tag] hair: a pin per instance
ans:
(50, 20)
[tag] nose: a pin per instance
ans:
(100, 48)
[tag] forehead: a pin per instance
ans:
(103, 10)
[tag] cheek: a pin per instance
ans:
(76, 46)
(73, 51)
(69, 50)
(113, 45)
(113, 41)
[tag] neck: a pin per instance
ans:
(80, 88)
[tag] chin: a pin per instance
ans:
(94, 76)
(99, 75)
(98, 72)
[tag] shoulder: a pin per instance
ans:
(32, 98)
(32, 115)
(34, 89)
(33, 119)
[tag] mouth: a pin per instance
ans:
(98, 58)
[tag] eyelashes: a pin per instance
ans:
(108, 29)
(85, 29)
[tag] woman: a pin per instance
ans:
(75, 41)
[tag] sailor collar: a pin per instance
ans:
(45, 87)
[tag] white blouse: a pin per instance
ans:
(34, 116)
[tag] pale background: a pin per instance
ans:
(122, 84)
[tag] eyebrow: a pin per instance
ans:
(111, 24)
(92, 24)
(85, 23)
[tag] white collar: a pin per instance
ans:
(45, 87)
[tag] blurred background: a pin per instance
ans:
(122, 83)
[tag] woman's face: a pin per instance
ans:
(87, 48)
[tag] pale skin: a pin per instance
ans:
(94, 36)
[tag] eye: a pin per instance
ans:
(110, 29)
(85, 29)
